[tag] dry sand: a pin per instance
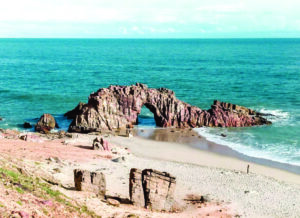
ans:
(182, 153)
(264, 192)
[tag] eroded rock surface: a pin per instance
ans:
(46, 123)
(152, 189)
(100, 144)
(90, 181)
(136, 192)
(72, 114)
(159, 189)
(118, 107)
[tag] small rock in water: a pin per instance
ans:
(46, 123)
(223, 135)
(27, 125)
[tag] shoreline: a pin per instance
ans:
(194, 140)
(155, 148)
(223, 180)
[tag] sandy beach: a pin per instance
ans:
(263, 192)
(182, 143)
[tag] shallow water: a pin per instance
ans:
(52, 75)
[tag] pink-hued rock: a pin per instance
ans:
(72, 114)
(159, 189)
(46, 123)
(90, 181)
(152, 189)
(118, 107)
(100, 144)
(136, 192)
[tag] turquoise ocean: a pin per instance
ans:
(52, 75)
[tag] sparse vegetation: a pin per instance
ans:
(22, 184)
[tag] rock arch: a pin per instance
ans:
(119, 106)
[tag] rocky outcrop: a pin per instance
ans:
(136, 192)
(46, 124)
(72, 114)
(100, 144)
(152, 189)
(90, 181)
(118, 107)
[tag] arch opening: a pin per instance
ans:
(146, 117)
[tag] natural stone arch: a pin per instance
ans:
(151, 109)
(119, 106)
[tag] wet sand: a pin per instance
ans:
(193, 139)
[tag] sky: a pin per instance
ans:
(149, 18)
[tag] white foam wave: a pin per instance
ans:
(243, 149)
(278, 115)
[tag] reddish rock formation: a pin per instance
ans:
(46, 123)
(136, 192)
(158, 189)
(118, 107)
(100, 144)
(72, 114)
(152, 189)
(90, 181)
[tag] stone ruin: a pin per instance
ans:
(118, 107)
